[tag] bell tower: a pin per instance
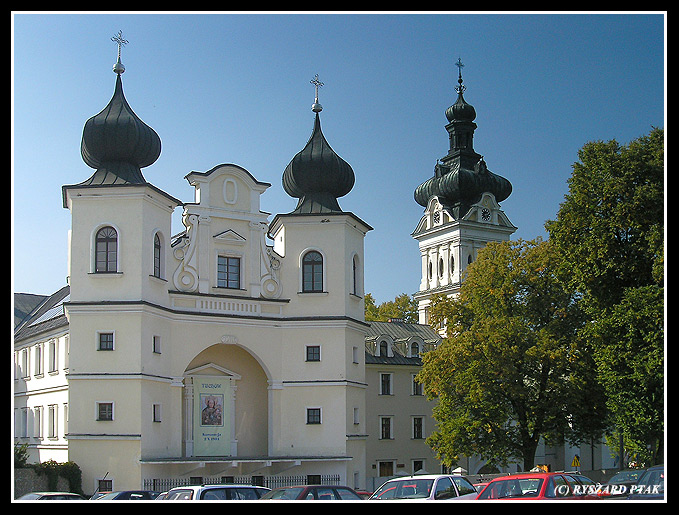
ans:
(462, 210)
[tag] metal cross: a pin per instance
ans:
(316, 83)
(459, 65)
(118, 38)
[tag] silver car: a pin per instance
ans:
(442, 487)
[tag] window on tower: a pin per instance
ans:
(312, 272)
(106, 250)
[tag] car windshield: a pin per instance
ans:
(621, 477)
(514, 487)
(653, 477)
(405, 489)
(284, 493)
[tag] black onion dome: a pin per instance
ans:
(117, 143)
(461, 111)
(461, 177)
(317, 176)
(457, 189)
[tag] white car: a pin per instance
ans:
(448, 487)
(215, 493)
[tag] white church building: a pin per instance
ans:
(238, 347)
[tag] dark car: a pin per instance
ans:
(129, 495)
(619, 485)
(51, 496)
(315, 492)
(651, 485)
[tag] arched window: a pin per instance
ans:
(384, 348)
(414, 350)
(106, 250)
(312, 272)
(157, 248)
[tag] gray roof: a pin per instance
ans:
(46, 316)
(401, 333)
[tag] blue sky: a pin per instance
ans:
(234, 88)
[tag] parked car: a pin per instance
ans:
(532, 485)
(313, 492)
(619, 485)
(216, 493)
(128, 495)
(51, 496)
(651, 485)
(426, 487)
(587, 487)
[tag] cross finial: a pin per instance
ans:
(316, 107)
(460, 88)
(118, 38)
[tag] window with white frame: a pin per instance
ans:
(52, 356)
(416, 385)
(106, 250)
(52, 421)
(386, 383)
(37, 354)
(37, 422)
(104, 411)
(386, 428)
(312, 272)
(157, 413)
(105, 340)
(313, 353)
(157, 256)
(418, 428)
(313, 415)
(156, 344)
(228, 272)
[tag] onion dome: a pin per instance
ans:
(317, 176)
(116, 142)
(462, 176)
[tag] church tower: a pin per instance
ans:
(462, 210)
(119, 237)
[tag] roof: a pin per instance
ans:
(46, 316)
(401, 333)
(398, 330)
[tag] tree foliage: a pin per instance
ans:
(510, 370)
(403, 307)
(610, 231)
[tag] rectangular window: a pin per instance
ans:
(386, 428)
(228, 272)
(52, 421)
(104, 411)
(417, 387)
(105, 341)
(156, 413)
(156, 344)
(385, 384)
(37, 422)
(313, 353)
(418, 424)
(52, 356)
(313, 415)
(105, 485)
(38, 360)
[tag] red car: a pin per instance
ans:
(535, 485)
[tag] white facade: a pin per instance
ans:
(217, 306)
(447, 246)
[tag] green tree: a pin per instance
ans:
(610, 232)
(510, 370)
(403, 307)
